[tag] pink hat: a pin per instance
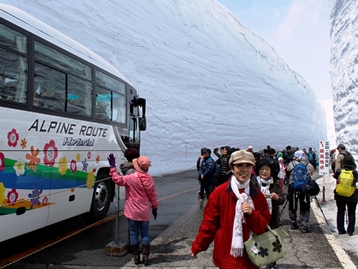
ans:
(141, 164)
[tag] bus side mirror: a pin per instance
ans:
(142, 123)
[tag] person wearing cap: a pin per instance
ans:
(339, 158)
(303, 198)
(235, 210)
(141, 195)
(348, 203)
(127, 167)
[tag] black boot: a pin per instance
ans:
(135, 250)
(145, 254)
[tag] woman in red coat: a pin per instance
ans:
(233, 210)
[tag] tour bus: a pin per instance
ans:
(63, 109)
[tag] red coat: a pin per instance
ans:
(218, 222)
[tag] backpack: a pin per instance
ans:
(300, 176)
(344, 183)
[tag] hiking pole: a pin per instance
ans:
(321, 210)
(284, 206)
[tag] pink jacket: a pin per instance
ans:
(139, 196)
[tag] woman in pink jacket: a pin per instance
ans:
(141, 194)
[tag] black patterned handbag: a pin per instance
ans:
(266, 248)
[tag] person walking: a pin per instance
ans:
(141, 195)
(301, 197)
(223, 162)
(234, 210)
(272, 191)
(207, 174)
(345, 195)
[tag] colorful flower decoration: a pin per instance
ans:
(62, 165)
(12, 197)
(85, 165)
(50, 153)
(98, 159)
(12, 137)
(45, 201)
(35, 197)
(33, 159)
(19, 167)
(73, 166)
(78, 157)
(2, 161)
(90, 180)
(89, 154)
(23, 143)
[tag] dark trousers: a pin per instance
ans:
(341, 209)
(304, 201)
(204, 186)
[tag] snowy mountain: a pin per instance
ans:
(208, 80)
(344, 72)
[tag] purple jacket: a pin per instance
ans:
(140, 194)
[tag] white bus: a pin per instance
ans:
(63, 109)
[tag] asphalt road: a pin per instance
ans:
(179, 217)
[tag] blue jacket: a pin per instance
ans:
(208, 168)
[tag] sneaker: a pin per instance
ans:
(294, 227)
(342, 232)
(350, 234)
(305, 230)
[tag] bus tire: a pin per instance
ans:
(101, 199)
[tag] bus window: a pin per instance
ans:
(110, 83)
(79, 97)
(119, 108)
(50, 88)
(13, 77)
(103, 104)
(62, 61)
(13, 40)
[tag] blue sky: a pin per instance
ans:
(299, 32)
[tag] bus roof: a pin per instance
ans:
(33, 25)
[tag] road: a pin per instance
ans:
(179, 217)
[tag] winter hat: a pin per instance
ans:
(142, 164)
(242, 156)
(131, 153)
(263, 162)
(299, 154)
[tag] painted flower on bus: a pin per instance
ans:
(85, 165)
(98, 159)
(62, 165)
(50, 153)
(12, 197)
(2, 161)
(19, 167)
(89, 155)
(12, 137)
(78, 157)
(90, 180)
(23, 143)
(35, 197)
(73, 166)
(45, 201)
(33, 159)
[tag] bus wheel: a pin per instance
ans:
(101, 198)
